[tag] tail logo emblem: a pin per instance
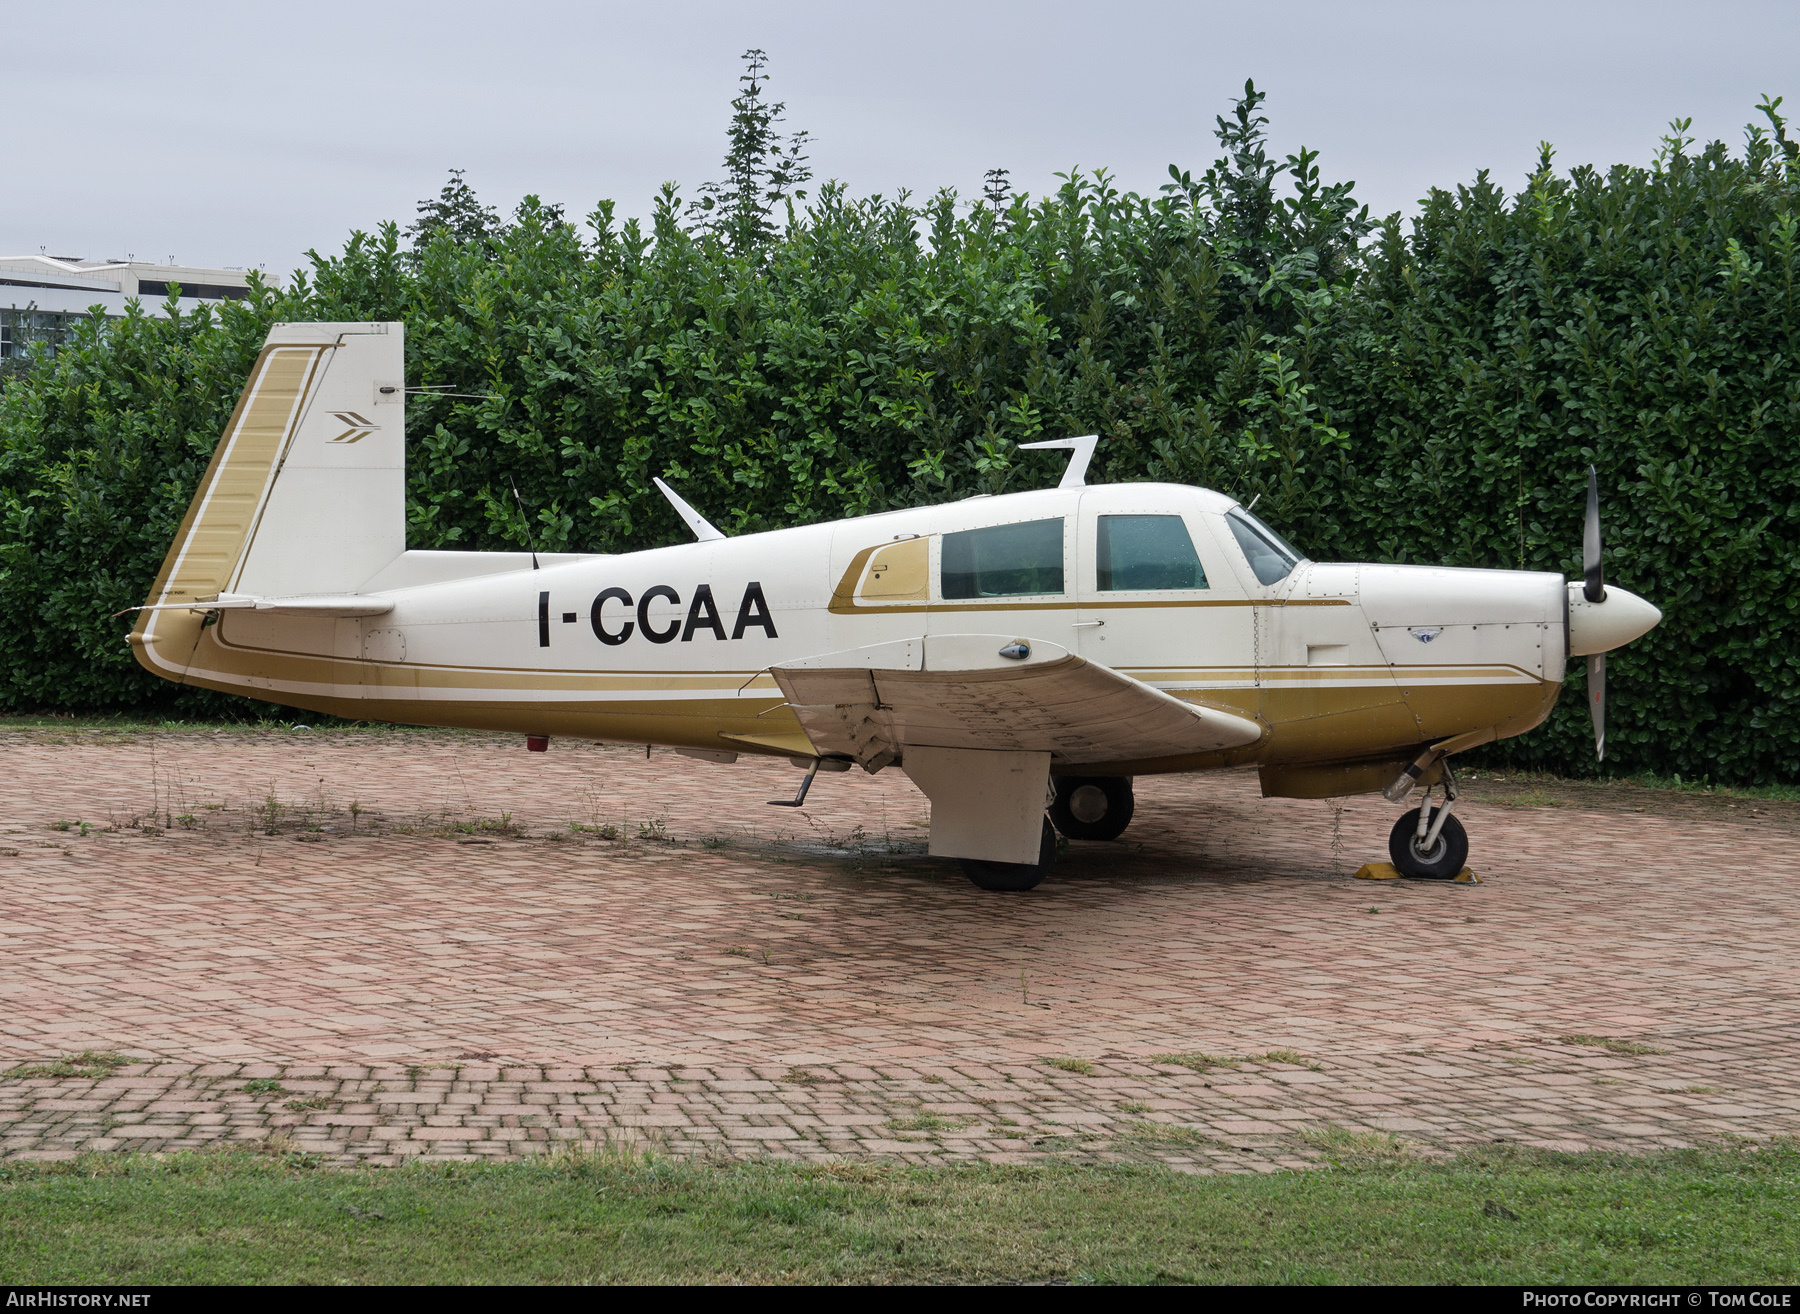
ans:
(359, 428)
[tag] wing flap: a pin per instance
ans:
(960, 692)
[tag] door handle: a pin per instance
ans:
(1083, 625)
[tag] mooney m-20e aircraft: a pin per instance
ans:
(1012, 655)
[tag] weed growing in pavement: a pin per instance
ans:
(1613, 1044)
(607, 832)
(91, 1063)
(654, 829)
(800, 1077)
(1134, 1106)
(1080, 1067)
(928, 1122)
(1287, 1056)
(308, 1103)
(265, 1086)
(1162, 1133)
(501, 825)
(1344, 1147)
(933, 1078)
(1337, 836)
(1196, 1061)
(738, 951)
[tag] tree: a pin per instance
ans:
(1283, 253)
(996, 190)
(761, 169)
(456, 212)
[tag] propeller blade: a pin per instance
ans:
(1597, 702)
(1595, 588)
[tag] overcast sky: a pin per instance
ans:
(242, 134)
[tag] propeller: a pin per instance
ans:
(1594, 590)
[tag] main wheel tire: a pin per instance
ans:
(1014, 875)
(1442, 862)
(1093, 807)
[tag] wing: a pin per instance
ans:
(959, 691)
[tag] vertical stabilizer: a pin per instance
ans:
(306, 491)
(334, 513)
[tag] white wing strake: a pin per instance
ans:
(957, 691)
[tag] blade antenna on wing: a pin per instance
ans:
(703, 529)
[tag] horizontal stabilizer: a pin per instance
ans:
(994, 692)
(332, 605)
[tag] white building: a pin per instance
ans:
(40, 294)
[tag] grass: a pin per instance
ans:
(1341, 1147)
(93, 1063)
(1196, 1061)
(925, 1121)
(1613, 1044)
(1514, 1217)
(1080, 1067)
(1162, 1133)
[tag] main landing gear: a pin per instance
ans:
(1084, 808)
(1092, 807)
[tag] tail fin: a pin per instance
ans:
(306, 492)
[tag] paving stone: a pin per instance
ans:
(498, 999)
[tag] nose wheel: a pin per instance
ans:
(1428, 843)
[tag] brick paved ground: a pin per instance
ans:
(433, 979)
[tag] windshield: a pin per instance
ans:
(1270, 555)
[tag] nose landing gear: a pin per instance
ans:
(1430, 847)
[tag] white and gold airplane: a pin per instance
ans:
(1011, 654)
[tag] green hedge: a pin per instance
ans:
(1428, 393)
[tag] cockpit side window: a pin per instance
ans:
(1145, 552)
(1271, 557)
(1004, 560)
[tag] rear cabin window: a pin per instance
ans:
(1145, 552)
(1004, 561)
